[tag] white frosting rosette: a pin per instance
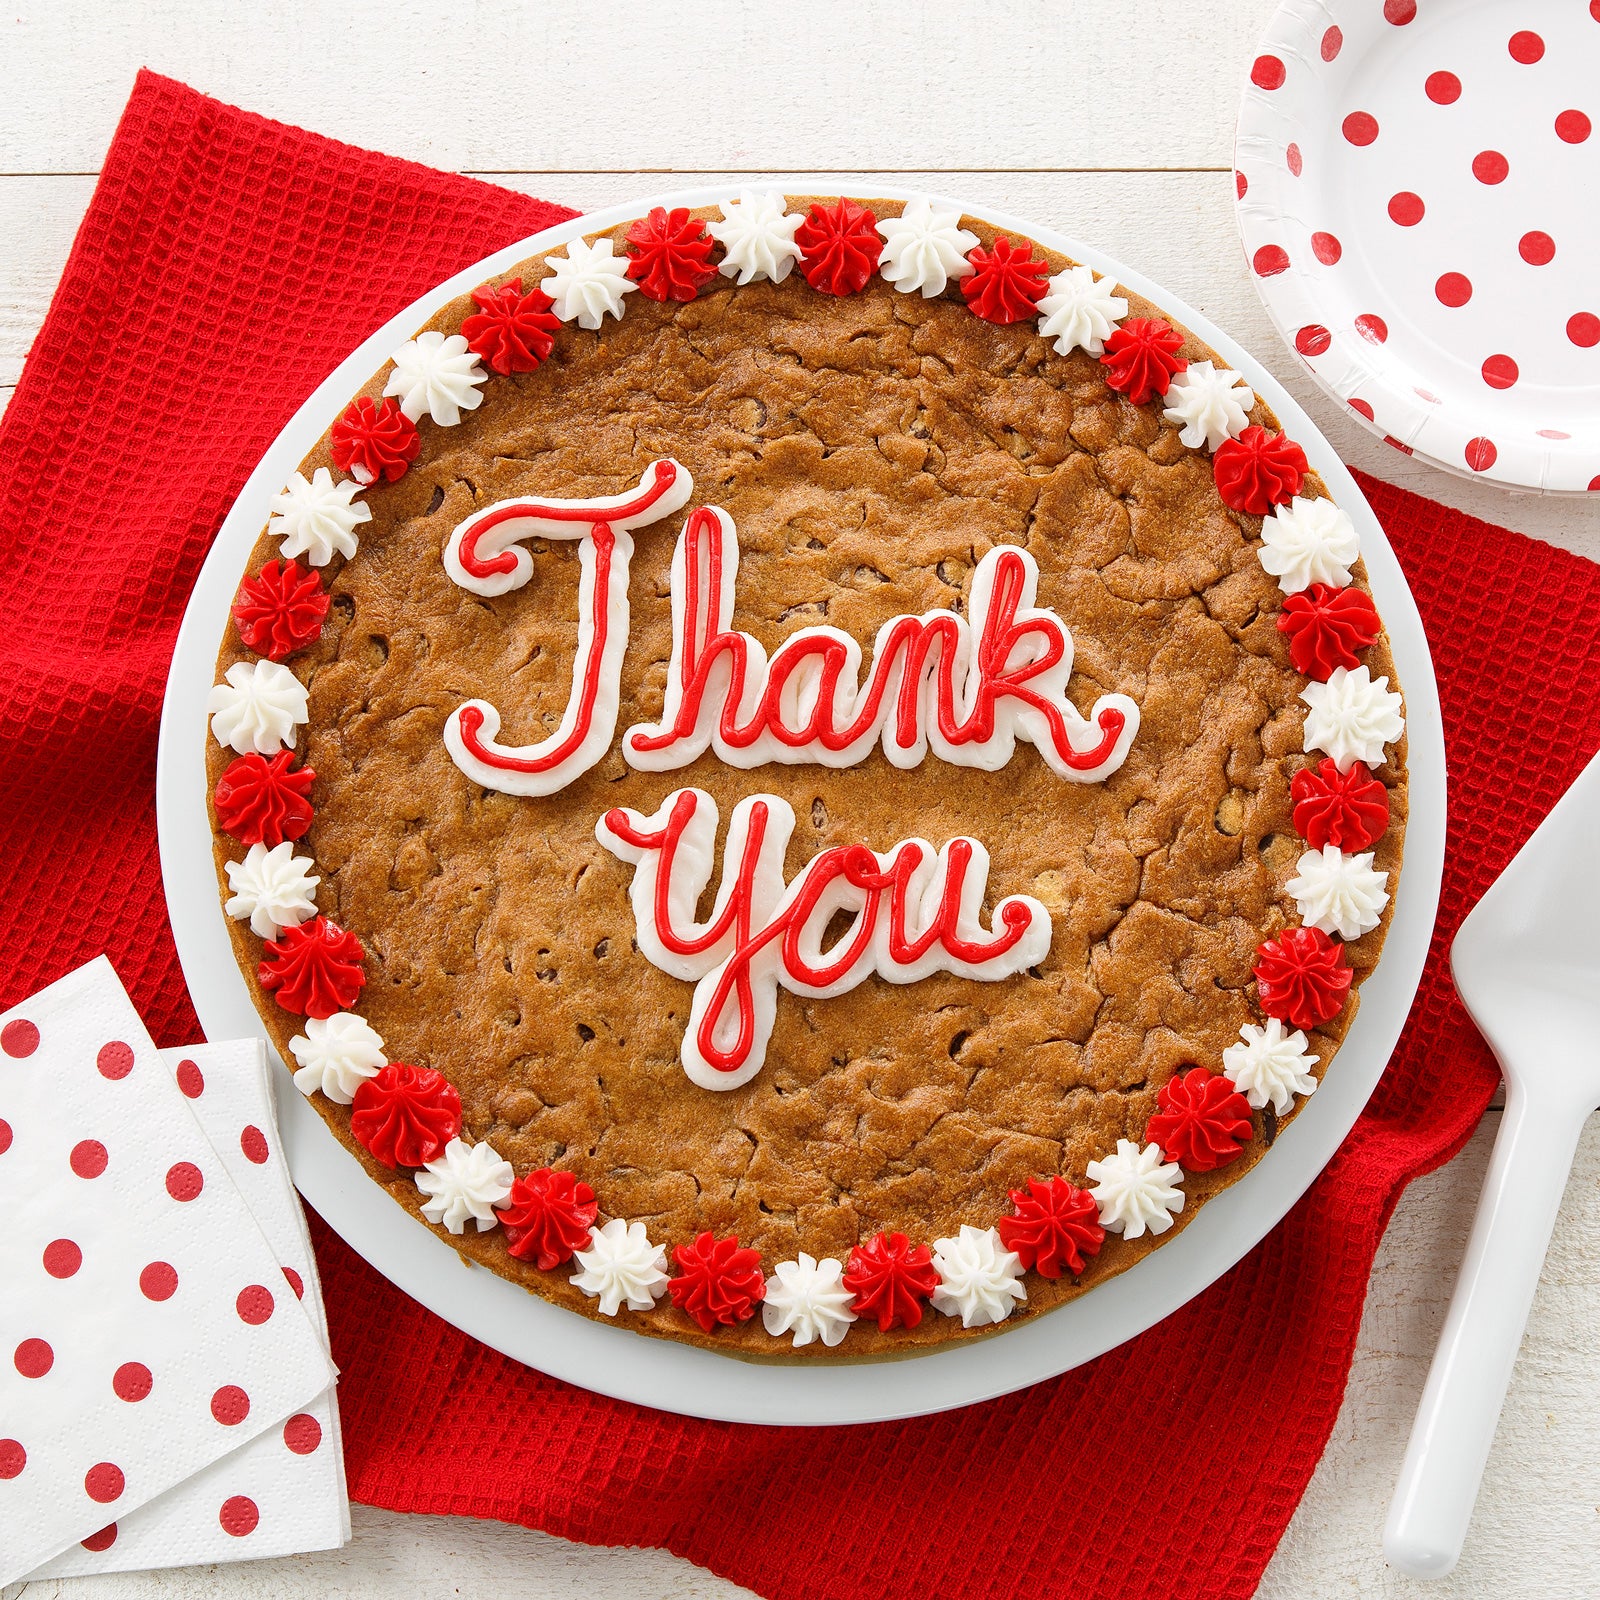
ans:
(336, 1055)
(1307, 542)
(621, 1267)
(1352, 717)
(1270, 1065)
(464, 1185)
(1338, 893)
(1080, 311)
(587, 284)
(317, 518)
(1137, 1190)
(436, 374)
(1209, 403)
(807, 1300)
(259, 706)
(979, 1279)
(924, 249)
(757, 237)
(275, 889)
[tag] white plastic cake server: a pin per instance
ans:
(1526, 964)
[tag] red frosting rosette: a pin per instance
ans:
(1302, 977)
(314, 969)
(405, 1116)
(260, 801)
(1326, 626)
(1349, 810)
(547, 1216)
(1203, 1122)
(890, 1278)
(839, 247)
(1056, 1225)
(374, 439)
(280, 610)
(1005, 283)
(720, 1281)
(1141, 358)
(511, 331)
(669, 255)
(1259, 470)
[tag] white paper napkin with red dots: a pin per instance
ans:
(283, 1492)
(147, 1328)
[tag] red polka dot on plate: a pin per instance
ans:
(230, 1405)
(254, 1304)
(1372, 327)
(1428, 395)
(1538, 249)
(1489, 166)
(1360, 127)
(302, 1434)
(88, 1158)
(1240, 184)
(1526, 47)
(5, 1136)
(33, 1358)
(1293, 159)
(1333, 42)
(1362, 408)
(1326, 248)
(1481, 454)
(1313, 339)
(19, 1038)
(296, 1282)
(1399, 12)
(1406, 208)
(131, 1381)
(184, 1181)
(1500, 372)
(13, 1458)
(1270, 260)
(1573, 127)
(239, 1516)
(104, 1483)
(115, 1060)
(158, 1281)
(1553, 433)
(1583, 329)
(62, 1258)
(1594, 483)
(254, 1144)
(1453, 289)
(191, 1079)
(1443, 88)
(103, 1540)
(1267, 72)
(1594, 11)
(1394, 444)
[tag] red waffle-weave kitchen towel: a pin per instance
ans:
(226, 264)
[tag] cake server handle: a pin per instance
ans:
(1471, 1369)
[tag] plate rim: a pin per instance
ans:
(682, 1378)
(1289, 299)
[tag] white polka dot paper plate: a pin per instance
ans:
(1416, 183)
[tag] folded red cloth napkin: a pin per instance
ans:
(225, 266)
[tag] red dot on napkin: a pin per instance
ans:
(5, 1136)
(88, 1158)
(158, 1281)
(1526, 47)
(191, 1079)
(230, 1405)
(62, 1258)
(184, 1181)
(33, 1358)
(132, 1381)
(239, 1516)
(254, 1144)
(103, 1540)
(104, 1482)
(296, 1282)
(13, 1458)
(1443, 88)
(254, 1304)
(302, 1434)
(115, 1060)
(19, 1038)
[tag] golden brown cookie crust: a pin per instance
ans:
(870, 448)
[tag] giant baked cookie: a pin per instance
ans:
(806, 775)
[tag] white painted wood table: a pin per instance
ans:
(1110, 119)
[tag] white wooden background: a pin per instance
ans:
(1110, 119)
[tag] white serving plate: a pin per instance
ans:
(675, 1377)
(1416, 197)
